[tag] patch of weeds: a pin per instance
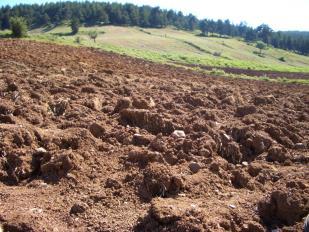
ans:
(217, 72)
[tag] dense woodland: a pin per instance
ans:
(100, 13)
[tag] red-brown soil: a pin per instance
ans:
(93, 141)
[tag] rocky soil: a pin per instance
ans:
(93, 141)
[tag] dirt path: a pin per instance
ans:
(93, 141)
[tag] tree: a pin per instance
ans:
(144, 14)
(93, 35)
(204, 27)
(75, 24)
(227, 27)
(45, 19)
(19, 27)
(5, 22)
(192, 22)
(156, 17)
(220, 27)
(264, 32)
(260, 45)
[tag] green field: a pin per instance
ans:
(175, 46)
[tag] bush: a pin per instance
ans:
(261, 45)
(93, 35)
(19, 27)
(217, 53)
(282, 59)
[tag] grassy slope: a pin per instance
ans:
(170, 45)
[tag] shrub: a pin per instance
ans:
(93, 35)
(217, 53)
(282, 59)
(261, 45)
(217, 72)
(19, 27)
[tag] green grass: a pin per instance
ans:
(175, 46)
(5, 34)
(222, 73)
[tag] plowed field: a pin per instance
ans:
(94, 141)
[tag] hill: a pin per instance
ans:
(181, 47)
(106, 13)
(96, 141)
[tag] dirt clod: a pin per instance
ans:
(286, 207)
(245, 110)
(78, 208)
(122, 104)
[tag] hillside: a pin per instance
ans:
(176, 46)
(96, 141)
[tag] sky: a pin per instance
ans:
(278, 14)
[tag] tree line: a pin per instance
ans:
(101, 13)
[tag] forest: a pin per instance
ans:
(102, 13)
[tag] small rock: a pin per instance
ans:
(165, 210)
(306, 225)
(245, 163)
(227, 137)
(277, 153)
(40, 150)
(59, 107)
(204, 153)
(255, 227)
(36, 210)
(142, 140)
(240, 179)
(59, 165)
(178, 134)
(245, 110)
(232, 206)
(97, 130)
(255, 168)
(262, 100)
(96, 104)
(122, 104)
(141, 103)
(300, 146)
(12, 87)
(78, 208)
(214, 167)
(63, 70)
(194, 167)
(112, 183)
(107, 109)
(230, 100)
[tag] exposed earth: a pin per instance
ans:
(94, 141)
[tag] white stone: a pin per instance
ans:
(179, 134)
(245, 163)
(41, 149)
(227, 137)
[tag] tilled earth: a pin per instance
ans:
(93, 141)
